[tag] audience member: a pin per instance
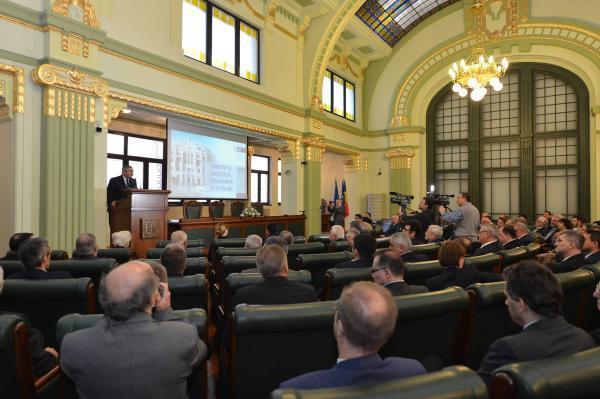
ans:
(253, 241)
(485, 220)
(395, 227)
(576, 222)
(522, 218)
(434, 234)
(591, 246)
(221, 230)
(365, 318)
(179, 237)
(272, 229)
(541, 226)
(364, 246)
(523, 235)
(466, 217)
(488, 238)
(569, 244)
(366, 217)
(336, 233)
(553, 229)
(564, 224)
(271, 261)
(534, 299)
(35, 255)
(121, 239)
(388, 271)
(15, 242)
(507, 236)
(401, 242)
(350, 238)
(159, 270)
(414, 229)
(358, 217)
(128, 349)
(501, 222)
(174, 259)
(547, 215)
(277, 240)
(287, 236)
(452, 257)
(86, 247)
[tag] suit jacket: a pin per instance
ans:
(542, 230)
(114, 191)
(525, 240)
(129, 358)
(365, 370)
(543, 339)
(511, 244)
(568, 265)
(488, 249)
(593, 258)
(399, 288)
(37, 274)
(394, 228)
(275, 291)
(454, 276)
(355, 263)
(410, 257)
(11, 255)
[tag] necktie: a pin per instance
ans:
(128, 182)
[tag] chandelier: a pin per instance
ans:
(478, 70)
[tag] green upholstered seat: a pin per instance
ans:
(59, 254)
(299, 240)
(510, 256)
(154, 253)
(295, 250)
(485, 263)
(189, 292)
(318, 264)
(578, 287)
(533, 249)
(192, 210)
(216, 209)
(337, 279)
(416, 273)
(324, 238)
(121, 255)
(196, 266)
(430, 250)
(190, 243)
(11, 267)
(338, 246)
(591, 317)
(237, 207)
(382, 242)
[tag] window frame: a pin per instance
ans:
(209, 17)
(331, 91)
(259, 173)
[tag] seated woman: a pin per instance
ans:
(452, 257)
(121, 239)
(221, 230)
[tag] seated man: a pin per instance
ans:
(350, 238)
(434, 234)
(276, 288)
(592, 246)
(488, 238)
(86, 247)
(365, 318)
(523, 236)
(15, 242)
(287, 236)
(336, 233)
(364, 246)
(507, 236)
(541, 226)
(174, 259)
(388, 271)
(568, 245)
(396, 226)
(401, 242)
(272, 230)
(414, 229)
(179, 237)
(125, 350)
(253, 241)
(534, 298)
(121, 239)
(271, 240)
(35, 255)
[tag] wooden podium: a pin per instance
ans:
(144, 214)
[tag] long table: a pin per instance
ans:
(239, 227)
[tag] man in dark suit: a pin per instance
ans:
(339, 213)
(401, 243)
(523, 236)
(364, 246)
(488, 238)
(507, 236)
(276, 289)
(365, 318)
(452, 258)
(414, 229)
(549, 236)
(15, 242)
(174, 259)
(116, 185)
(86, 247)
(35, 255)
(534, 298)
(591, 246)
(541, 226)
(388, 271)
(125, 350)
(568, 246)
(395, 227)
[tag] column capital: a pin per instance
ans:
(71, 79)
(400, 158)
(315, 146)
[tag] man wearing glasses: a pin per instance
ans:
(35, 255)
(388, 271)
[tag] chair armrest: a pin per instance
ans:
(41, 381)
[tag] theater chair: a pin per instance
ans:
(224, 243)
(197, 381)
(11, 267)
(92, 268)
(569, 377)
(196, 266)
(382, 242)
(591, 317)
(46, 301)
(338, 246)
(189, 292)
(299, 240)
(451, 383)
(533, 250)
(17, 380)
(323, 237)
(511, 256)
(59, 254)
(416, 273)
(484, 263)
(318, 264)
(337, 279)
(190, 243)
(221, 252)
(121, 255)
(431, 250)
(489, 320)
(154, 253)
(309, 248)
(578, 287)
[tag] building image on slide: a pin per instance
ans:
(189, 161)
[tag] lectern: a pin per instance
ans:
(144, 214)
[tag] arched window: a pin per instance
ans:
(521, 150)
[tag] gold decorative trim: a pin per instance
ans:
(400, 152)
(92, 115)
(400, 163)
(87, 10)
(315, 146)
(251, 150)
(2, 88)
(50, 102)
(24, 23)
(71, 79)
(366, 165)
(399, 121)
(75, 44)
(18, 86)
(317, 123)
(399, 138)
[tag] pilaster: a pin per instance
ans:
(400, 169)
(292, 178)
(314, 146)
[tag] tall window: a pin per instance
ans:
(260, 170)
(147, 157)
(338, 96)
(214, 36)
(279, 181)
(521, 150)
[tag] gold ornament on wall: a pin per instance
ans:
(81, 10)
(73, 79)
(18, 86)
(75, 45)
(251, 151)
(315, 146)
(400, 158)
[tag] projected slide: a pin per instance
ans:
(205, 164)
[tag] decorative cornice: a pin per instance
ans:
(64, 7)
(18, 86)
(72, 79)
(400, 152)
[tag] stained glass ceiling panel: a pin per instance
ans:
(392, 19)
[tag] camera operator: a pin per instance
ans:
(425, 216)
(466, 217)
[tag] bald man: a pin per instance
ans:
(129, 353)
(365, 318)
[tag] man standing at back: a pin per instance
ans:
(534, 299)
(129, 354)
(365, 318)
(466, 217)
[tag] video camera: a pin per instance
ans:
(438, 199)
(401, 199)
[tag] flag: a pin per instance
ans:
(336, 195)
(345, 197)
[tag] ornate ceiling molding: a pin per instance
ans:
(81, 10)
